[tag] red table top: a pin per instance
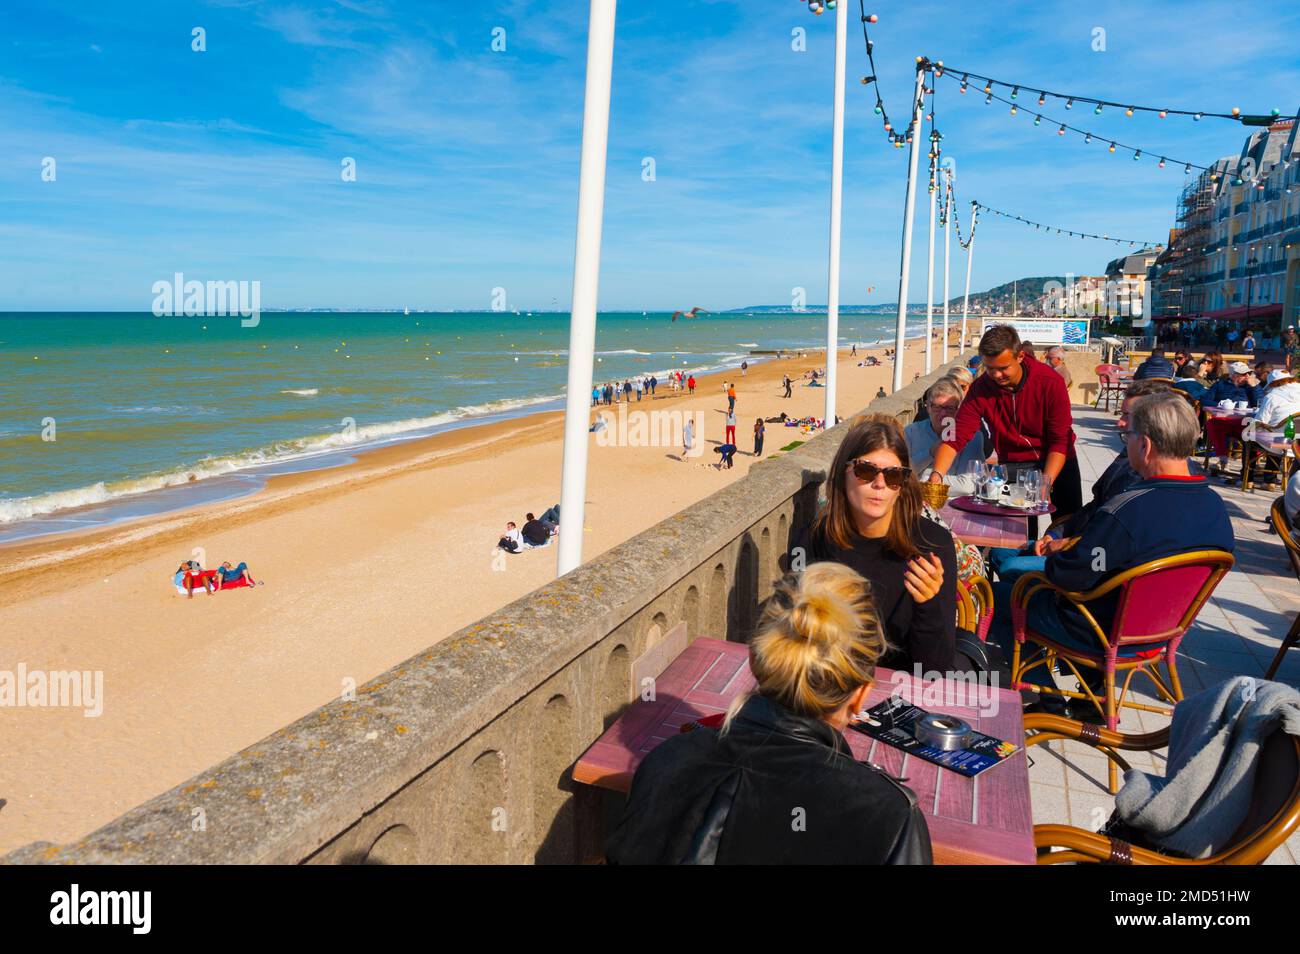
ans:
(981, 820)
(986, 529)
(973, 504)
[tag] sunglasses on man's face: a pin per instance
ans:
(867, 472)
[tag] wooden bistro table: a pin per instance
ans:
(981, 820)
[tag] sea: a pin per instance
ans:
(111, 416)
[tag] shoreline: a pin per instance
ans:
(255, 480)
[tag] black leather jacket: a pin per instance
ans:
(777, 788)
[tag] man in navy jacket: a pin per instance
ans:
(1156, 366)
(1168, 511)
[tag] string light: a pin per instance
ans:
(979, 206)
(1098, 103)
(1114, 145)
(896, 139)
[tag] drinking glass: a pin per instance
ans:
(1045, 494)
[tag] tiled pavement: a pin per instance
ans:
(1237, 632)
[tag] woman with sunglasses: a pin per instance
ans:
(873, 522)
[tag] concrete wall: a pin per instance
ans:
(463, 752)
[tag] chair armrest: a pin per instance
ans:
(1053, 726)
(1028, 584)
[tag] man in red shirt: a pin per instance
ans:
(1027, 408)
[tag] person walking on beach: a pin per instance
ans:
(758, 437)
(744, 366)
(785, 379)
(627, 391)
(639, 388)
(731, 396)
(653, 382)
(688, 439)
(595, 396)
(730, 437)
(690, 384)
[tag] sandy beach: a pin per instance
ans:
(364, 566)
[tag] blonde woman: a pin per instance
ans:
(777, 784)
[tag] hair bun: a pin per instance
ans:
(819, 613)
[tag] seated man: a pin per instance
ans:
(1239, 385)
(228, 573)
(1118, 477)
(535, 533)
(1168, 511)
(1156, 366)
(511, 541)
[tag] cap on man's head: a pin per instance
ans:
(1278, 375)
(1239, 367)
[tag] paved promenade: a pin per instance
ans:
(1237, 633)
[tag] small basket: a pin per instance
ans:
(934, 495)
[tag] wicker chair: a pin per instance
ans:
(1283, 527)
(1108, 384)
(1158, 601)
(1274, 813)
(975, 606)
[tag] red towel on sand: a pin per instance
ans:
(211, 577)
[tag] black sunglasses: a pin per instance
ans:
(867, 472)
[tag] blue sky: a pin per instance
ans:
(225, 164)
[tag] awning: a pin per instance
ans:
(1240, 313)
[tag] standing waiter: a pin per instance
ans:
(1027, 408)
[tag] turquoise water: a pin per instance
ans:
(140, 404)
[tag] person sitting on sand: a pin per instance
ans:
(535, 532)
(881, 392)
(228, 573)
(511, 541)
(190, 574)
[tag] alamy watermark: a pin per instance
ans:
(212, 299)
(652, 429)
(65, 689)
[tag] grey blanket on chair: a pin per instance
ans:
(1214, 744)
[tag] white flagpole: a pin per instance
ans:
(947, 245)
(586, 283)
(929, 284)
(837, 183)
(970, 256)
(900, 330)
